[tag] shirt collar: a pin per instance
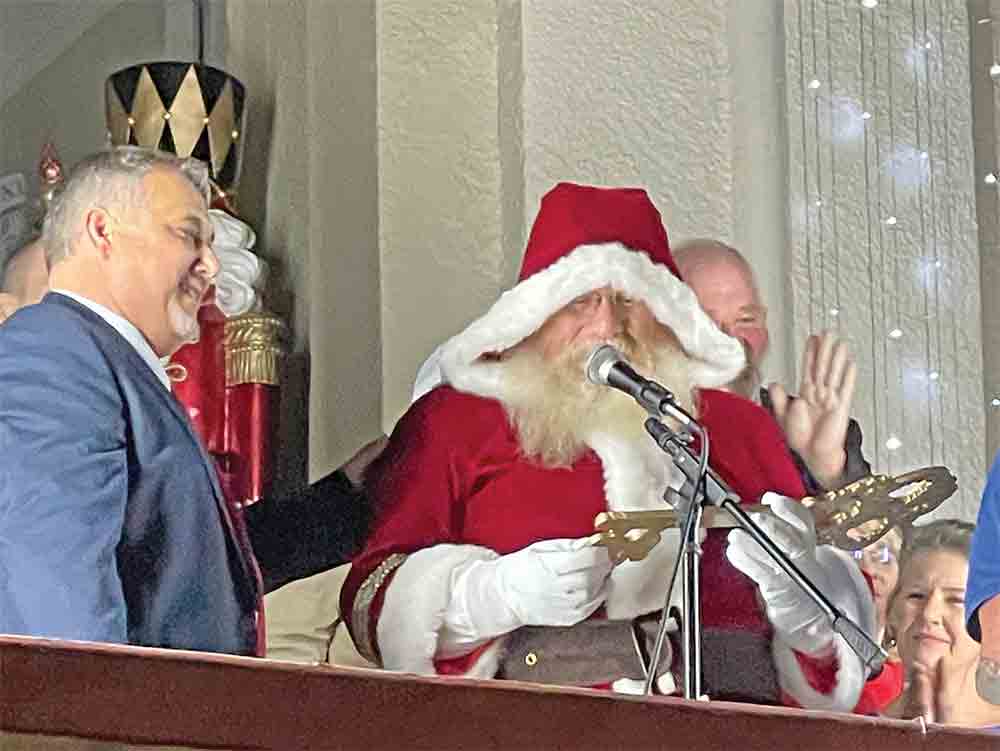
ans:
(128, 330)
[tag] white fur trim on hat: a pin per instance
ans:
(429, 375)
(414, 608)
(850, 593)
(716, 357)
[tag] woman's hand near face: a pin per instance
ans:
(944, 692)
(955, 689)
(917, 699)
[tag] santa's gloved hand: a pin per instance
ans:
(551, 583)
(793, 614)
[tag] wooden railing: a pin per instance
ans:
(54, 694)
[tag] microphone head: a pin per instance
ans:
(600, 362)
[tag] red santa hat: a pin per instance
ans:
(585, 238)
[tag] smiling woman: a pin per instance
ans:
(927, 613)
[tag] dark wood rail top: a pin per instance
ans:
(54, 693)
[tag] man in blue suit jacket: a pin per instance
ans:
(113, 526)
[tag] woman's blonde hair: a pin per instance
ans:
(950, 535)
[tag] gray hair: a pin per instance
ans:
(943, 535)
(112, 177)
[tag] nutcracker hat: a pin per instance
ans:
(585, 238)
(186, 109)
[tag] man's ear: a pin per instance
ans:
(98, 224)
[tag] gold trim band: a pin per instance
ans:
(253, 349)
(361, 612)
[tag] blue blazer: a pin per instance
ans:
(113, 526)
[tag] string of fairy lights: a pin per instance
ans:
(876, 113)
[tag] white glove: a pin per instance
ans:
(793, 614)
(551, 583)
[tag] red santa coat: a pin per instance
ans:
(452, 486)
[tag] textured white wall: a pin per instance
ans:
(621, 92)
(883, 222)
(447, 135)
(64, 101)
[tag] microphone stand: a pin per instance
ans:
(689, 557)
(703, 486)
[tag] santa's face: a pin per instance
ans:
(553, 406)
(597, 317)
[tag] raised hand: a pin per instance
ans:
(944, 692)
(815, 423)
(917, 699)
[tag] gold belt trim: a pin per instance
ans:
(364, 639)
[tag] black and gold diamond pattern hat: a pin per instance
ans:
(186, 109)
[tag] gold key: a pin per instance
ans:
(850, 518)
(632, 534)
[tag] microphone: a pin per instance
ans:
(607, 367)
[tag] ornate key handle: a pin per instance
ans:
(850, 518)
(861, 513)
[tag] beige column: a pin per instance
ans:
(760, 168)
(309, 187)
(985, 101)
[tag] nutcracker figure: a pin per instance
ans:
(228, 379)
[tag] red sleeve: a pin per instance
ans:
(416, 487)
(748, 447)
(882, 690)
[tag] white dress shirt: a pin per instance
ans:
(132, 335)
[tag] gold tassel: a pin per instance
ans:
(253, 348)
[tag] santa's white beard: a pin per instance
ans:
(555, 409)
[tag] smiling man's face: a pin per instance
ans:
(163, 261)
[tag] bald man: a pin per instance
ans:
(25, 279)
(825, 440)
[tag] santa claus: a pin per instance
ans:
(481, 561)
